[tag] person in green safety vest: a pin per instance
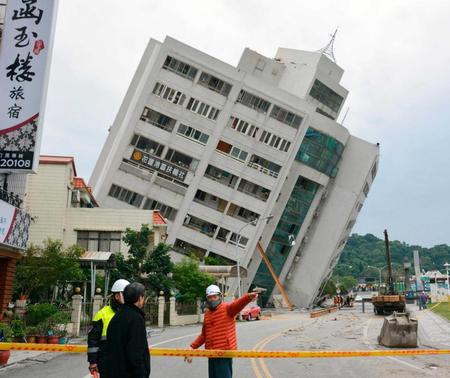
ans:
(97, 333)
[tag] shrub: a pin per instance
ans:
(17, 328)
(5, 332)
(39, 312)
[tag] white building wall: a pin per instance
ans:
(284, 81)
(328, 235)
(46, 201)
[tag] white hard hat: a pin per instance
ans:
(212, 290)
(119, 286)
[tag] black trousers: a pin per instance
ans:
(220, 367)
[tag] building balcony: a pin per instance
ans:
(260, 168)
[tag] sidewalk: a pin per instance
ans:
(434, 331)
(25, 357)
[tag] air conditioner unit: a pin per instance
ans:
(289, 275)
(297, 258)
(316, 214)
(325, 194)
(187, 219)
(76, 196)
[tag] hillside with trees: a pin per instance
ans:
(367, 250)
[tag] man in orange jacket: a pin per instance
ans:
(219, 329)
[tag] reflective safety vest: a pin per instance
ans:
(105, 315)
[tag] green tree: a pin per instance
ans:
(346, 283)
(139, 247)
(158, 267)
(150, 266)
(190, 281)
(364, 250)
(45, 266)
(330, 288)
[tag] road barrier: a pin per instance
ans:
(170, 352)
(323, 311)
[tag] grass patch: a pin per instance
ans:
(442, 309)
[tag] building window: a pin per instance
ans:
(326, 96)
(147, 145)
(165, 210)
(243, 127)
(324, 113)
(233, 151)
(203, 109)
(103, 241)
(286, 117)
(224, 177)
(275, 141)
(158, 119)
(366, 189)
(181, 160)
(125, 195)
(253, 190)
(374, 171)
(200, 225)
(188, 249)
(351, 224)
(169, 94)
(242, 213)
(252, 101)
(180, 68)
(242, 240)
(222, 234)
(193, 134)
(320, 151)
(215, 84)
(210, 201)
(265, 166)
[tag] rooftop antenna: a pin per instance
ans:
(328, 49)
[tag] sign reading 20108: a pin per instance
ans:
(16, 160)
(24, 68)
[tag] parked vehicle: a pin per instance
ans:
(251, 312)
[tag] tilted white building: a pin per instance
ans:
(214, 147)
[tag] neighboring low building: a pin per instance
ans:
(62, 207)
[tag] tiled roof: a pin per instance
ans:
(158, 219)
(79, 183)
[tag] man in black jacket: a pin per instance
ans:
(127, 348)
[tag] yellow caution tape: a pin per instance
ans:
(170, 352)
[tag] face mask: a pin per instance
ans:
(213, 304)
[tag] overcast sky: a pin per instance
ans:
(395, 54)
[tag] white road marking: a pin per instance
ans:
(175, 339)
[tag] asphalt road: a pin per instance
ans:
(348, 329)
